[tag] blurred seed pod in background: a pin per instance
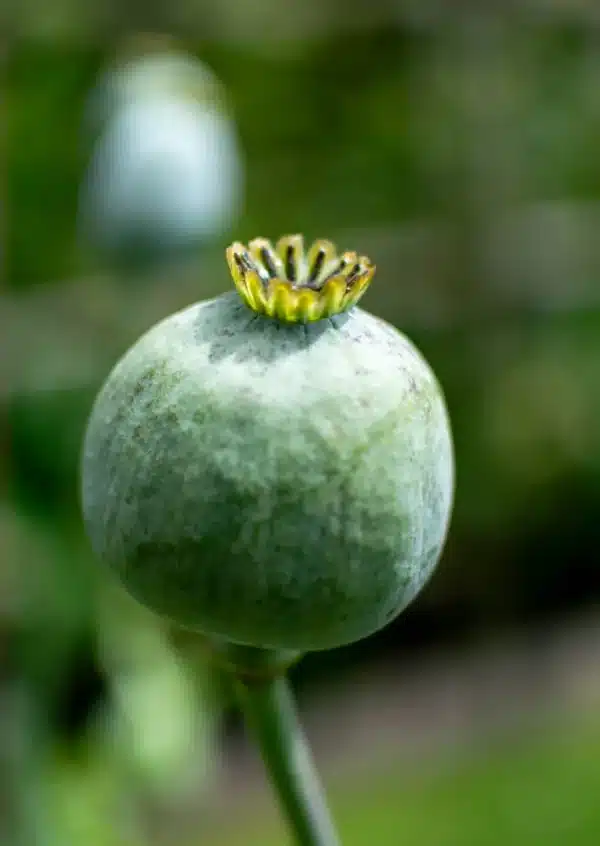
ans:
(165, 176)
(144, 67)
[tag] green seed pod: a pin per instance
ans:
(165, 176)
(274, 469)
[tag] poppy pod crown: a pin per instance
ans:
(298, 285)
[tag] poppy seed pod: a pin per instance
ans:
(273, 467)
(146, 69)
(165, 174)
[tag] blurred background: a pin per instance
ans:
(457, 144)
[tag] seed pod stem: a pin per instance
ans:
(269, 707)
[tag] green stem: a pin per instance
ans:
(270, 710)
